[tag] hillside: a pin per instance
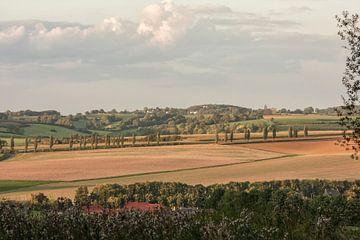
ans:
(199, 119)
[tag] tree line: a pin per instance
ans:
(292, 209)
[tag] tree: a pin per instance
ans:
(71, 143)
(309, 110)
(35, 144)
(265, 133)
(349, 31)
(118, 141)
(295, 133)
(26, 144)
(248, 134)
(107, 141)
(134, 139)
(122, 141)
(82, 196)
(51, 142)
(12, 144)
(92, 142)
(96, 141)
(290, 132)
(84, 142)
(158, 138)
(306, 131)
(273, 132)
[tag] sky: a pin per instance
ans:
(74, 56)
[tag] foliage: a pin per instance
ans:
(268, 210)
(349, 31)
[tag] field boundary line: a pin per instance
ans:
(51, 187)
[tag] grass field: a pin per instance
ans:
(11, 185)
(40, 130)
(193, 164)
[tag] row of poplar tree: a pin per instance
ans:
(292, 133)
(93, 141)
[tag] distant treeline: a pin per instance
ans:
(269, 210)
(193, 120)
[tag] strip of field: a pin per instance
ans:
(11, 185)
(67, 166)
(325, 161)
(313, 147)
(335, 167)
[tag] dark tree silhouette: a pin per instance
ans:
(306, 131)
(265, 133)
(26, 144)
(273, 132)
(349, 31)
(12, 144)
(217, 137)
(51, 142)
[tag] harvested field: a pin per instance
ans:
(339, 167)
(67, 166)
(195, 164)
(308, 147)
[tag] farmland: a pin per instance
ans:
(193, 164)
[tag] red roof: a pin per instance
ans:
(93, 209)
(142, 206)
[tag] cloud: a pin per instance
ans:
(171, 46)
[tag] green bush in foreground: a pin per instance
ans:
(268, 210)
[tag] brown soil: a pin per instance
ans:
(118, 162)
(307, 148)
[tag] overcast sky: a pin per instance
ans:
(73, 56)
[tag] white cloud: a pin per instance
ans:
(171, 45)
(12, 34)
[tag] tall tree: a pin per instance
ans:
(71, 143)
(96, 141)
(12, 144)
(265, 133)
(107, 141)
(306, 131)
(274, 132)
(158, 139)
(122, 141)
(51, 142)
(133, 139)
(26, 144)
(349, 31)
(84, 143)
(290, 132)
(92, 142)
(35, 144)
(118, 141)
(231, 136)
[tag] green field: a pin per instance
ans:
(12, 185)
(29, 130)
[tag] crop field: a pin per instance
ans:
(193, 164)
(68, 166)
